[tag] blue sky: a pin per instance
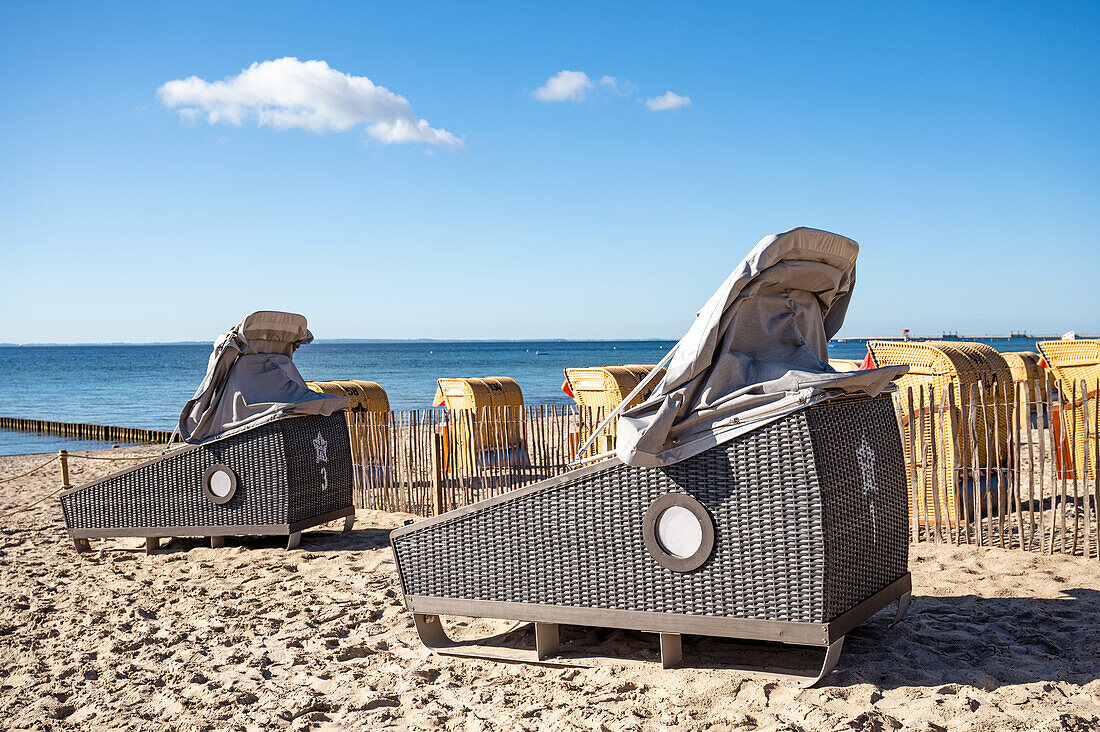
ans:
(957, 143)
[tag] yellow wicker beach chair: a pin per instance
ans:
(1076, 366)
(605, 386)
(940, 368)
(488, 415)
(364, 396)
(1031, 379)
(599, 389)
(845, 365)
(1025, 369)
(368, 421)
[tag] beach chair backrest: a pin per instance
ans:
(603, 387)
(1076, 360)
(487, 416)
(1026, 370)
(844, 365)
(599, 389)
(959, 369)
(367, 416)
(1076, 368)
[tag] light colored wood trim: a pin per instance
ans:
(234, 530)
(672, 650)
(807, 634)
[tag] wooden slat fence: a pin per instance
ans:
(1036, 488)
(432, 460)
(1007, 465)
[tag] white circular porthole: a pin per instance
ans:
(219, 483)
(678, 532)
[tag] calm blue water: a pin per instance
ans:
(147, 385)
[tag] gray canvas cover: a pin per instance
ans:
(758, 350)
(251, 380)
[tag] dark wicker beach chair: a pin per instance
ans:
(803, 529)
(783, 525)
(280, 468)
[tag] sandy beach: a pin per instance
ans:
(253, 637)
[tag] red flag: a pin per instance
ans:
(566, 389)
(868, 363)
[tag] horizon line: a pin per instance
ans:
(351, 341)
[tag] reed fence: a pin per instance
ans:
(427, 461)
(1010, 464)
(1035, 489)
(1007, 464)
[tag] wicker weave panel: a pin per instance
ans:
(167, 492)
(580, 543)
(313, 493)
(600, 389)
(865, 498)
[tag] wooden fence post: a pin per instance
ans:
(63, 456)
(437, 472)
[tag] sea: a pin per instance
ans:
(147, 385)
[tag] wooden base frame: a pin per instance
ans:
(670, 627)
(153, 535)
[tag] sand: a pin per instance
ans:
(253, 637)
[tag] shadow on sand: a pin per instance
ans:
(962, 639)
(320, 540)
(967, 640)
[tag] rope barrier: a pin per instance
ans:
(28, 507)
(65, 479)
(32, 470)
(114, 460)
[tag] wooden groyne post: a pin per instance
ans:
(84, 431)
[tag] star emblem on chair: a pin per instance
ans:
(320, 444)
(866, 457)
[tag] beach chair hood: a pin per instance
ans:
(251, 380)
(757, 351)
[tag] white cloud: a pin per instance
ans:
(310, 95)
(621, 87)
(667, 101)
(564, 86)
